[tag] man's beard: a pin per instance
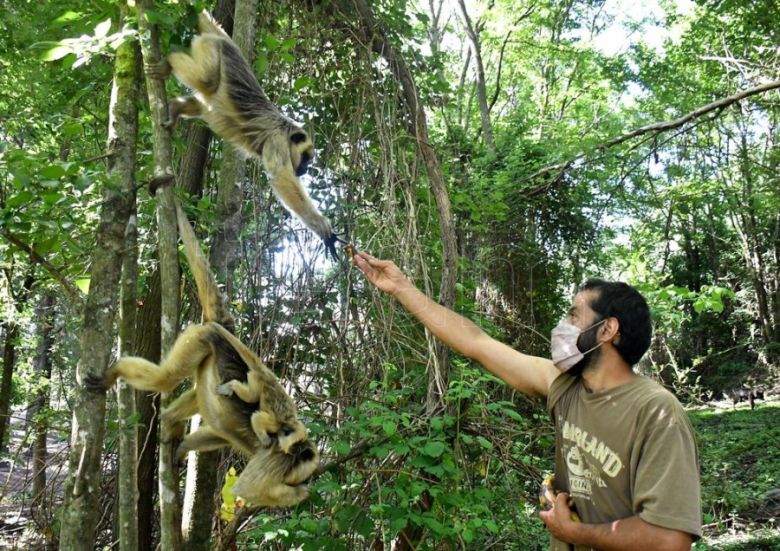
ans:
(586, 341)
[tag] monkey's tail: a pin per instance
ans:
(211, 299)
(208, 25)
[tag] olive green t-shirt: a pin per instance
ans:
(625, 451)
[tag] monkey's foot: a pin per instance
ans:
(158, 181)
(95, 383)
(160, 70)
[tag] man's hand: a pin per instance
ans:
(558, 519)
(383, 274)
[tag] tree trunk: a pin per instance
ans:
(201, 485)
(127, 89)
(167, 244)
(11, 331)
(39, 404)
(484, 109)
(147, 345)
(82, 487)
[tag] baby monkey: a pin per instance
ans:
(272, 476)
(229, 99)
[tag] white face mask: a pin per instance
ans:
(563, 344)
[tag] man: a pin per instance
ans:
(625, 454)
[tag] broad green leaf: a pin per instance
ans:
(83, 284)
(434, 449)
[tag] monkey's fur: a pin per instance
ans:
(230, 100)
(264, 427)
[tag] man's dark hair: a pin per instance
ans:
(615, 299)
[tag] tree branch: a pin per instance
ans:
(71, 289)
(660, 127)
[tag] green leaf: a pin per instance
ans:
(55, 53)
(342, 448)
(20, 199)
(287, 57)
(70, 130)
(303, 82)
(65, 18)
(512, 414)
(50, 198)
(83, 284)
(261, 64)
(485, 443)
(287, 44)
(434, 449)
(52, 172)
(157, 18)
(271, 43)
(398, 524)
(389, 428)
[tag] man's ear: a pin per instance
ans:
(611, 331)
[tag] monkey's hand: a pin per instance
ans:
(225, 389)
(160, 70)
(95, 383)
(330, 246)
(383, 274)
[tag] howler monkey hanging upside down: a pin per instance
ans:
(229, 98)
(241, 401)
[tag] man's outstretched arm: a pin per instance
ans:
(528, 374)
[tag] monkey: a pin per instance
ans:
(210, 354)
(264, 422)
(228, 97)
(274, 478)
(275, 475)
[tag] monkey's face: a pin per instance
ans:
(301, 151)
(273, 478)
(304, 462)
(291, 432)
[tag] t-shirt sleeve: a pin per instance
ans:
(666, 491)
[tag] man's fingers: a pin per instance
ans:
(373, 261)
(563, 499)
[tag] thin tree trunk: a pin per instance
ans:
(40, 403)
(147, 345)
(201, 484)
(82, 488)
(752, 243)
(170, 511)
(484, 109)
(128, 92)
(11, 331)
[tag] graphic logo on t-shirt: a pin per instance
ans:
(587, 459)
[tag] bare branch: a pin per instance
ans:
(660, 127)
